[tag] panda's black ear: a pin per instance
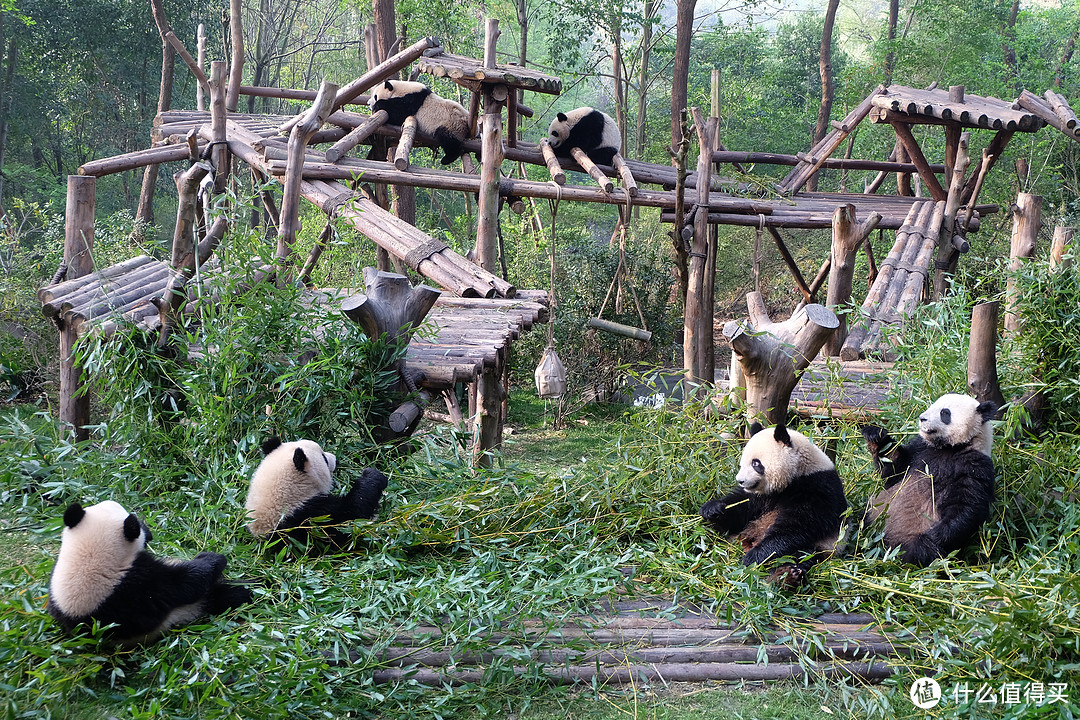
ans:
(781, 434)
(132, 527)
(561, 117)
(988, 410)
(73, 515)
(299, 459)
(271, 445)
(755, 428)
(388, 85)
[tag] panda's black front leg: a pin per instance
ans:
(363, 499)
(731, 513)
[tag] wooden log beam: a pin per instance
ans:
(915, 153)
(590, 167)
(1044, 111)
(193, 66)
(552, 162)
(763, 158)
(793, 267)
(946, 255)
(383, 71)
(310, 122)
(137, 159)
(404, 147)
(619, 329)
(357, 135)
(990, 156)
(628, 181)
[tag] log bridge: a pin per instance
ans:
(654, 641)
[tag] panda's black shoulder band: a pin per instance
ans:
(271, 444)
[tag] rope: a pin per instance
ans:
(554, 207)
(423, 251)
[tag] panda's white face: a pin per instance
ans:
(775, 456)
(97, 547)
(958, 420)
(558, 130)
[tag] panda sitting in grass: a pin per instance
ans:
(789, 504)
(939, 485)
(290, 493)
(104, 573)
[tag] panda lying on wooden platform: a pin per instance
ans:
(789, 503)
(105, 573)
(939, 485)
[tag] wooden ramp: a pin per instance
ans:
(652, 640)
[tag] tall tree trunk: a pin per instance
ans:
(236, 42)
(828, 87)
(1008, 35)
(385, 26)
(684, 31)
(651, 7)
(145, 211)
(5, 110)
(523, 30)
(1066, 55)
(620, 87)
(890, 57)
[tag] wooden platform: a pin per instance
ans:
(462, 335)
(653, 640)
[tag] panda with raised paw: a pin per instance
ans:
(291, 488)
(444, 120)
(939, 485)
(105, 573)
(789, 503)
(594, 132)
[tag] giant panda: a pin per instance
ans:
(939, 485)
(789, 502)
(591, 130)
(436, 116)
(105, 573)
(291, 487)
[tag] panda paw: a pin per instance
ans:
(713, 511)
(788, 577)
(214, 563)
(876, 438)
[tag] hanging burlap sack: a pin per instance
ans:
(550, 375)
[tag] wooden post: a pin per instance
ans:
(697, 319)
(1027, 219)
(846, 238)
(78, 258)
(982, 376)
(590, 167)
(218, 118)
(405, 144)
(236, 69)
(1063, 243)
(552, 162)
(487, 422)
(200, 51)
(298, 138)
(946, 253)
(774, 355)
(491, 157)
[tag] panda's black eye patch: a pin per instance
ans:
(946, 416)
(758, 467)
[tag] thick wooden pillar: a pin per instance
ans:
(78, 259)
(486, 400)
(1062, 245)
(698, 316)
(1027, 218)
(982, 378)
(491, 157)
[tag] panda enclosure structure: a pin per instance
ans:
(312, 155)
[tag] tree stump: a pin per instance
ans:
(391, 306)
(774, 355)
(982, 354)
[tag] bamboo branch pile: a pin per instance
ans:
(636, 641)
(902, 276)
